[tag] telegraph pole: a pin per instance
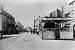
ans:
(34, 25)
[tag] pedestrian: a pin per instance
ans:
(31, 32)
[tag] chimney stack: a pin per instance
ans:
(62, 9)
(1, 7)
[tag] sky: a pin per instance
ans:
(25, 10)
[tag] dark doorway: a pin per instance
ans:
(57, 34)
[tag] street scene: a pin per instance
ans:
(37, 25)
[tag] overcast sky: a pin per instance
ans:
(25, 10)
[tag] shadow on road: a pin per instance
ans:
(5, 37)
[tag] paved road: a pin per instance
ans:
(28, 41)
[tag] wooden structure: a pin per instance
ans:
(56, 26)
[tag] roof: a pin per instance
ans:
(7, 15)
(57, 14)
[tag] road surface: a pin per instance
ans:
(28, 41)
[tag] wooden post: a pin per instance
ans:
(34, 25)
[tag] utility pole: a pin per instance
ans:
(34, 25)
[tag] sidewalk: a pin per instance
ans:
(7, 36)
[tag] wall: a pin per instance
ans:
(0, 23)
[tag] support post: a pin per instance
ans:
(34, 25)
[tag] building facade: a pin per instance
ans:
(56, 26)
(7, 22)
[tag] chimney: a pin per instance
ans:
(62, 9)
(1, 7)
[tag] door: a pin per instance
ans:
(57, 34)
